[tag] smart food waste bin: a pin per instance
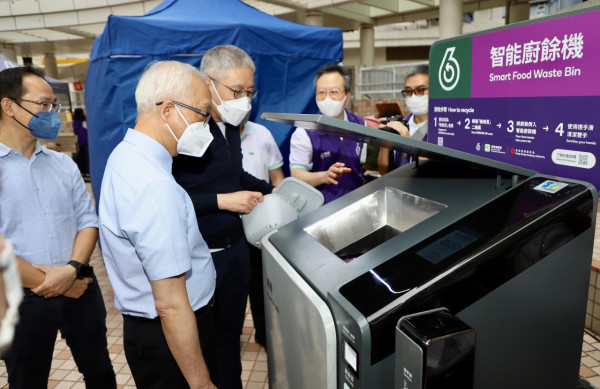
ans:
(502, 249)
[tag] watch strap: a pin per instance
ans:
(79, 267)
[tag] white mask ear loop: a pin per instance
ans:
(217, 92)
(186, 123)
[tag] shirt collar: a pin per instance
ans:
(150, 146)
(248, 129)
(5, 150)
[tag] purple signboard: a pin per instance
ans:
(526, 95)
(552, 58)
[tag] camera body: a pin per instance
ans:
(397, 118)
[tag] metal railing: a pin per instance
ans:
(384, 82)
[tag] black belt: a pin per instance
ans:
(141, 319)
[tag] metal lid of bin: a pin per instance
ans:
(388, 140)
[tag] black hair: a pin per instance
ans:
(335, 69)
(78, 115)
(11, 80)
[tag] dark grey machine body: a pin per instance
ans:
(472, 235)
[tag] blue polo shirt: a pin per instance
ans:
(148, 228)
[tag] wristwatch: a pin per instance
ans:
(81, 270)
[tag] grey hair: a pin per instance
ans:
(421, 69)
(334, 69)
(164, 80)
(220, 59)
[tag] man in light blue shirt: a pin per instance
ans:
(159, 265)
(47, 213)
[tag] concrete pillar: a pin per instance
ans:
(313, 18)
(518, 11)
(50, 65)
(367, 45)
(8, 50)
(451, 18)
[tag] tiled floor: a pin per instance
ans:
(590, 359)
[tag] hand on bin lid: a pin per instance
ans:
(292, 198)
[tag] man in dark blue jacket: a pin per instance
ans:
(220, 190)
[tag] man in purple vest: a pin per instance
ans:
(329, 163)
(416, 97)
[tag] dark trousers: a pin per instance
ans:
(82, 323)
(149, 357)
(231, 294)
(257, 302)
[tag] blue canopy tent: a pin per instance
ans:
(287, 56)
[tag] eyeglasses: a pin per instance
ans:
(419, 91)
(334, 93)
(238, 94)
(201, 112)
(44, 107)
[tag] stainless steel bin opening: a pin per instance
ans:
(371, 221)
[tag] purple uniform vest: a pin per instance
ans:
(329, 149)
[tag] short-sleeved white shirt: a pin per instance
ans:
(301, 150)
(259, 150)
(414, 127)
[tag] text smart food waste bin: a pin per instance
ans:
(504, 249)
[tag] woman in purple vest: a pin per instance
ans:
(79, 128)
(329, 163)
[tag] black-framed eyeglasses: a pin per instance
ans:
(419, 91)
(237, 94)
(44, 107)
(201, 112)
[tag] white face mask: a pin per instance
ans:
(418, 105)
(195, 138)
(233, 111)
(14, 296)
(332, 108)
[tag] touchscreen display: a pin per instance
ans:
(448, 245)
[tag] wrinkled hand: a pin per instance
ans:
(240, 202)
(58, 280)
(398, 127)
(78, 288)
(335, 171)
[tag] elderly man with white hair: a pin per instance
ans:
(220, 190)
(159, 265)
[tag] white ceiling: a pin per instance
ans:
(68, 27)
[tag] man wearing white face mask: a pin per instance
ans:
(159, 265)
(220, 190)
(416, 96)
(328, 162)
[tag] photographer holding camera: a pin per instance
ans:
(416, 95)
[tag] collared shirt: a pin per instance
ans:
(260, 151)
(301, 149)
(414, 127)
(43, 204)
(148, 228)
